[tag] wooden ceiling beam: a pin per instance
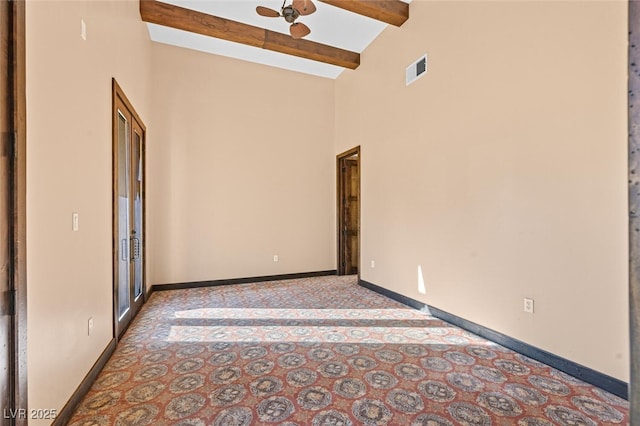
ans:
(168, 15)
(394, 12)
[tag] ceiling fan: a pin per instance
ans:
(290, 13)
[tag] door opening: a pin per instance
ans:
(128, 211)
(348, 191)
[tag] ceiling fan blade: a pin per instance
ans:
(265, 11)
(305, 7)
(299, 30)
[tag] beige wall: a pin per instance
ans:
(502, 172)
(240, 168)
(69, 170)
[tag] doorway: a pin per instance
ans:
(128, 211)
(348, 191)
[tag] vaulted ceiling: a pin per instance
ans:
(340, 30)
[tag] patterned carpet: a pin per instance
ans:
(323, 351)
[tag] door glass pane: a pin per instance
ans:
(123, 216)
(136, 163)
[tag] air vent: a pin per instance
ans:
(417, 69)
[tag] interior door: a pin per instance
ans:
(349, 212)
(129, 285)
(137, 215)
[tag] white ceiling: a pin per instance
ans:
(329, 25)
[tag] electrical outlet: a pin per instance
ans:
(528, 305)
(276, 258)
(373, 263)
(89, 326)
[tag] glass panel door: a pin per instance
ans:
(137, 234)
(128, 212)
(123, 206)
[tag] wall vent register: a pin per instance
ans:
(417, 69)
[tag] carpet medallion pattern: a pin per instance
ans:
(323, 351)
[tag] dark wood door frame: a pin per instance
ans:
(13, 151)
(634, 211)
(342, 205)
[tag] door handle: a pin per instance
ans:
(123, 250)
(136, 248)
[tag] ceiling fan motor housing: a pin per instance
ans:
(290, 14)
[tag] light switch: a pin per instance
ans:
(75, 219)
(83, 29)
